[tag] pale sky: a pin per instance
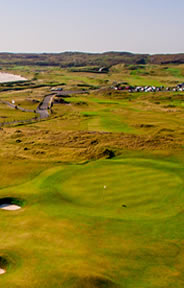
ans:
(142, 26)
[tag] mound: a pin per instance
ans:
(145, 187)
(92, 282)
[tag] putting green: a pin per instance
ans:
(125, 188)
(103, 223)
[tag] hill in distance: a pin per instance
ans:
(79, 59)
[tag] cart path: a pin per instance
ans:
(42, 109)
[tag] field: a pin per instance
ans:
(99, 181)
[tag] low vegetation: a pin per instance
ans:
(77, 59)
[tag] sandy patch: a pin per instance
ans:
(10, 207)
(2, 271)
(6, 77)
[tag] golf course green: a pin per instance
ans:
(106, 223)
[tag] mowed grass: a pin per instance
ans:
(107, 121)
(109, 223)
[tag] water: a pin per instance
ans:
(6, 77)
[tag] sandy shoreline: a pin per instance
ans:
(6, 77)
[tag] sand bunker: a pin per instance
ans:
(3, 265)
(10, 207)
(11, 203)
(2, 271)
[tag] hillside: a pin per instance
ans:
(76, 59)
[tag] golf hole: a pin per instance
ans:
(10, 204)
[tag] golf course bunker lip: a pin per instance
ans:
(10, 204)
(3, 265)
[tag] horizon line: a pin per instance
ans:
(89, 52)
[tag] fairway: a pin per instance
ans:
(98, 224)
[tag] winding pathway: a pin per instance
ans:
(42, 109)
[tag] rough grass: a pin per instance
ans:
(8, 114)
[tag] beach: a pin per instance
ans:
(6, 77)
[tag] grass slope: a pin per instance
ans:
(73, 232)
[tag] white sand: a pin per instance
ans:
(6, 77)
(2, 271)
(10, 207)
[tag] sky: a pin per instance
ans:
(140, 26)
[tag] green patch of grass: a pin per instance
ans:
(104, 101)
(113, 123)
(176, 72)
(107, 121)
(102, 222)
